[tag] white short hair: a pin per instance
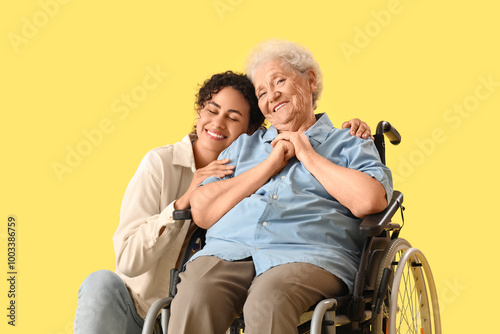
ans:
(289, 53)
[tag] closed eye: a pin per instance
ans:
(234, 115)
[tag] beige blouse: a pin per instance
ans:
(143, 258)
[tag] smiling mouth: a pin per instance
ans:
(279, 106)
(215, 135)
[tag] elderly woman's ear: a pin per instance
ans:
(312, 80)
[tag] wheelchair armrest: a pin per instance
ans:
(174, 280)
(374, 224)
(154, 310)
(181, 214)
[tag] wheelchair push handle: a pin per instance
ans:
(390, 132)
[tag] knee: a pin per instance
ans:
(103, 303)
(101, 284)
(272, 310)
(208, 287)
(198, 291)
(277, 299)
(271, 296)
(262, 304)
(198, 284)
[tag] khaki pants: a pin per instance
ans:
(213, 292)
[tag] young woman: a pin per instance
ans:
(148, 241)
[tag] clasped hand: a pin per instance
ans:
(287, 145)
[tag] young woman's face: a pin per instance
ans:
(222, 119)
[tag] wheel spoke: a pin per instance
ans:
(410, 301)
(408, 308)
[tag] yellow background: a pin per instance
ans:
(67, 66)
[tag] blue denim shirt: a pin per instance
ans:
(292, 218)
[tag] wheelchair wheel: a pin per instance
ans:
(390, 259)
(407, 307)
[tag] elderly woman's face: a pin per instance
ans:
(285, 96)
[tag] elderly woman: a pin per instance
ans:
(283, 228)
(147, 241)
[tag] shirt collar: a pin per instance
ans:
(270, 134)
(318, 132)
(183, 153)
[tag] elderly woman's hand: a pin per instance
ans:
(301, 144)
(358, 128)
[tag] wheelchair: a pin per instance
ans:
(394, 290)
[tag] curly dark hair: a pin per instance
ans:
(241, 83)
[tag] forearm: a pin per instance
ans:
(212, 201)
(184, 201)
(357, 191)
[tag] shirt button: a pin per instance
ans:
(283, 177)
(264, 223)
(275, 196)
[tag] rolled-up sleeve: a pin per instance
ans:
(364, 157)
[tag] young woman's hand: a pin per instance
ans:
(358, 128)
(283, 151)
(217, 168)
